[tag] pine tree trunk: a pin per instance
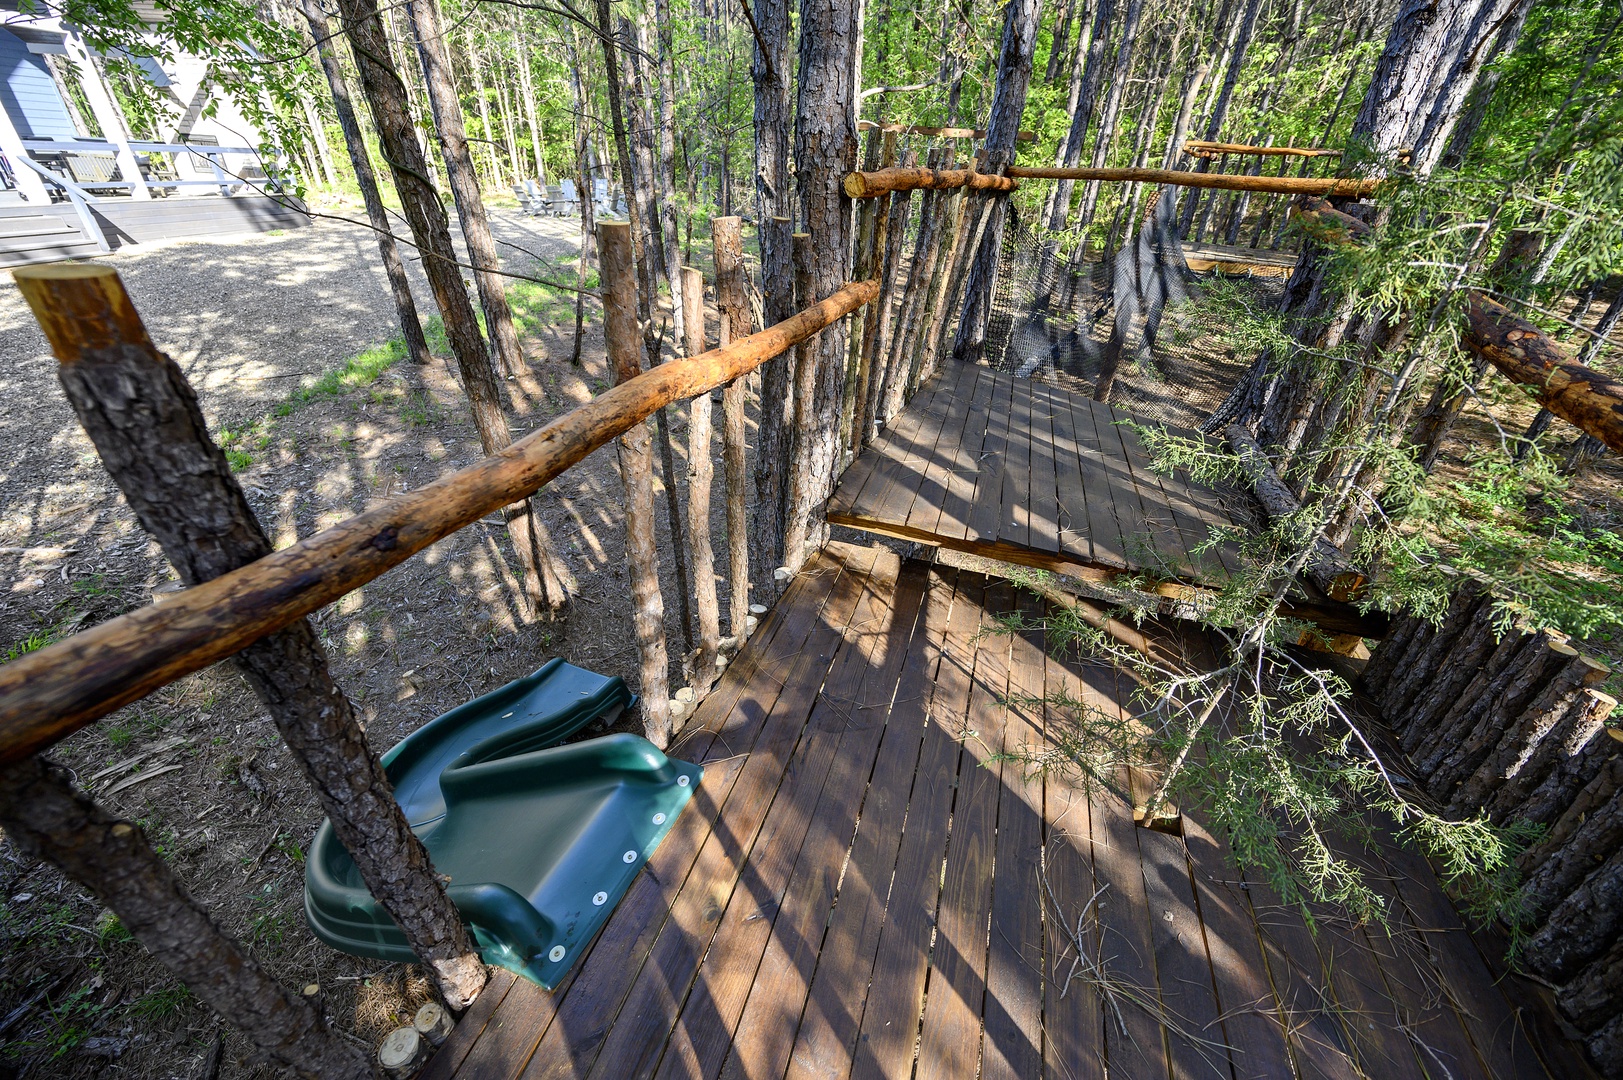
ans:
(411, 327)
(145, 422)
(825, 150)
(1008, 102)
(1112, 111)
(48, 818)
(470, 205)
(526, 82)
(545, 579)
(583, 181)
(476, 66)
(770, 72)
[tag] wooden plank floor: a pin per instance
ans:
(1013, 469)
(865, 886)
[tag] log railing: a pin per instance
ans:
(1202, 148)
(868, 185)
(48, 694)
(1515, 727)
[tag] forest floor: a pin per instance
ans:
(279, 335)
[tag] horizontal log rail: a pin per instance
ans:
(1286, 185)
(941, 132)
(1202, 148)
(48, 694)
(1590, 400)
(867, 185)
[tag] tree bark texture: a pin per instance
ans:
(770, 72)
(1008, 102)
(1113, 101)
(146, 425)
(434, 54)
(727, 250)
(1579, 929)
(825, 150)
(48, 818)
(795, 540)
(1596, 994)
(411, 327)
(546, 579)
(700, 474)
(1571, 772)
(636, 473)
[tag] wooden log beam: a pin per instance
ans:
(1590, 400)
(940, 132)
(727, 252)
(1286, 185)
(1326, 567)
(868, 185)
(50, 693)
(619, 271)
(700, 474)
(1203, 148)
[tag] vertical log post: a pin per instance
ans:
(727, 247)
(798, 530)
(624, 344)
(898, 368)
(889, 257)
(144, 421)
(861, 270)
(48, 818)
(862, 419)
(700, 474)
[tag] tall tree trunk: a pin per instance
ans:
(1057, 53)
(476, 66)
(318, 131)
(825, 150)
(1008, 102)
(411, 327)
(48, 818)
(1086, 73)
(526, 82)
(1107, 120)
(470, 205)
(770, 72)
(546, 581)
(583, 168)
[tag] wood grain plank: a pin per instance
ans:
(1044, 507)
(1014, 521)
(1105, 532)
(890, 1022)
(1172, 554)
(569, 1045)
(845, 966)
(1073, 1014)
(710, 1015)
(1070, 482)
(1176, 494)
(949, 1037)
(1012, 1045)
(632, 1047)
(896, 449)
(1252, 1019)
(986, 508)
(952, 518)
(942, 468)
(1146, 527)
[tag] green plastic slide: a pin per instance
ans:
(539, 841)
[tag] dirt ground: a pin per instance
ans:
(256, 322)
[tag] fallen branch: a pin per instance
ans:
(1326, 567)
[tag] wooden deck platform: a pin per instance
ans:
(1017, 470)
(864, 886)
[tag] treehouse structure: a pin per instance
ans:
(864, 873)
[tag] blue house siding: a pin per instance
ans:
(29, 94)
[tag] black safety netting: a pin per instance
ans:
(1133, 311)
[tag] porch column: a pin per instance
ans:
(108, 116)
(29, 183)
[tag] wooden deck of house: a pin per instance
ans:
(864, 885)
(1020, 471)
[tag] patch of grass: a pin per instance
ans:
(68, 1022)
(111, 931)
(161, 1004)
(32, 643)
(119, 735)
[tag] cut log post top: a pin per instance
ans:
(1287, 185)
(54, 691)
(867, 185)
(1203, 148)
(1326, 566)
(1584, 397)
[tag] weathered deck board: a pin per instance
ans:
(1024, 472)
(865, 887)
